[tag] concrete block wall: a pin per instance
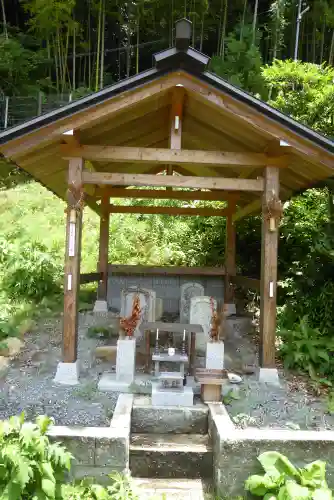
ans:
(235, 451)
(168, 288)
(99, 451)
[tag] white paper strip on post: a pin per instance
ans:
(271, 289)
(69, 282)
(71, 241)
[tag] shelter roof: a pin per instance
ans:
(135, 112)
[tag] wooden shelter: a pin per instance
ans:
(172, 127)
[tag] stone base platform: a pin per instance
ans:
(150, 419)
(172, 397)
(142, 384)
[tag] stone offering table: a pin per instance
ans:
(179, 328)
(211, 384)
(169, 389)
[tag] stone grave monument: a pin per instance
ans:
(201, 314)
(169, 388)
(188, 291)
(147, 300)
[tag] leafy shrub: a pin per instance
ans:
(305, 348)
(283, 481)
(30, 466)
(120, 489)
(30, 272)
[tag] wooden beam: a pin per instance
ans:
(162, 194)
(104, 248)
(230, 250)
(176, 123)
(160, 155)
(252, 207)
(269, 244)
(89, 278)
(247, 283)
(72, 267)
(202, 212)
(119, 269)
(225, 184)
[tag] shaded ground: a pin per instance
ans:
(29, 385)
(293, 405)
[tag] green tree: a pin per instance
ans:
(242, 62)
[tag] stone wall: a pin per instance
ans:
(236, 451)
(167, 288)
(99, 451)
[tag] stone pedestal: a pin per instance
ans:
(230, 309)
(214, 355)
(124, 378)
(269, 376)
(126, 360)
(172, 397)
(67, 373)
(100, 306)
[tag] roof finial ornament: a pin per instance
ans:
(183, 29)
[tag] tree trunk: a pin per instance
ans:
(56, 64)
(74, 60)
(137, 42)
(222, 40)
(322, 41)
(243, 22)
(331, 51)
(219, 27)
(102, 44)
(48, 48)
(4, 20)
(314, 41)
(256, 7)
(97, 69)
(202, 33)
(89, 48)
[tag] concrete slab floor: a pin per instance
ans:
(178, 489)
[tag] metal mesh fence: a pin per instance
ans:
(15, 110)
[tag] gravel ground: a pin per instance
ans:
(293, 405)
(29, 385)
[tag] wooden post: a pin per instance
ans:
(229, 259)
(269, 246)
(175, 135)
(104, 248)
(72, 263)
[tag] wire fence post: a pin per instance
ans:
(39, 103)
(5, 123)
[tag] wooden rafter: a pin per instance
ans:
(227, 104)
(225, 184)
(201, 211)
(167, 156)
(89, 117)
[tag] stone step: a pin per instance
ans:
(170, 376)
(168, 419)
(179, 489)
(171, 456)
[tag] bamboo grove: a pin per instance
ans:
(72, 45)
